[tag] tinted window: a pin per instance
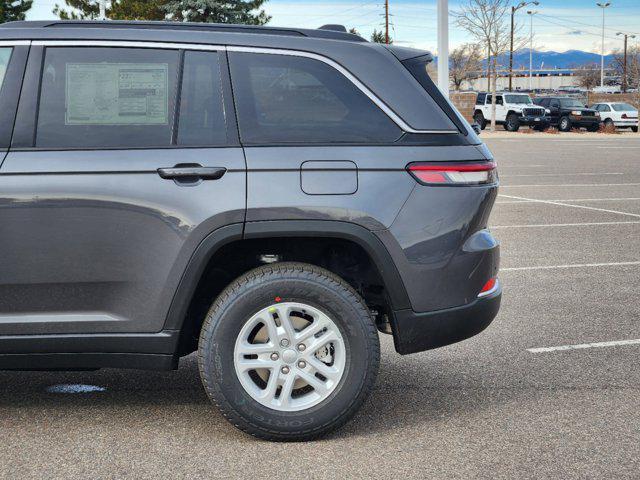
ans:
(202, 115)
(288, 99)
(107, 97)
(571, 103)
(5, 55)
(623, 107)
(481, 98)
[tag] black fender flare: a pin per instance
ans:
(285, 228)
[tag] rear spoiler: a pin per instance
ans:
(406, 53)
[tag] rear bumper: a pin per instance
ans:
(415, 332)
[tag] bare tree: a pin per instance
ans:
(588, 76)
(633, 66)
(488, 22)
(463, 62)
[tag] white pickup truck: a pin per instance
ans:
(512, 111)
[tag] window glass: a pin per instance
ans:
(481, 98)
(202, 115)
(571, 103)
(5, 56)
(107, 97)
(519, 99)
(499, 100)
(623, 107)
(288, 99)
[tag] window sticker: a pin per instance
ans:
(117, 94)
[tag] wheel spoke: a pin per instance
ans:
(317, 343)
(312, 329)
(269, 393)
(285, 321)
(246, 348)
(317, 384)
(254, 364)
(287, 390)
(327, 371)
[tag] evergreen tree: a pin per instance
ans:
(215, 11)
(118, 10)
(11, 10)
(379, 37)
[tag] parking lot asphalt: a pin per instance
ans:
(568, 218)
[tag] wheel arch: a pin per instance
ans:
(217, 240)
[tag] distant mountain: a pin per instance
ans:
(553, 60)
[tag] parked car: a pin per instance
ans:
(567, 113)
(512, 111)
(618, 114)
(259, 196)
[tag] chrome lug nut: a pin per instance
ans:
(302, 364)
(285, 370)
(301, 347)
(284, 342)
(275, 356)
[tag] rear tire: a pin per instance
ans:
(512, 123)
(478, 117)
(634, 129)
(564, 125)
(294, 292)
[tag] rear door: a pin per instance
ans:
(124, 157)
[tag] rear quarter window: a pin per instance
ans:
(290, 99)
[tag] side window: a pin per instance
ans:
(202, 118)
(489, 99)
(499, 100)
(481, 98)
(289, 99)
(5, 56)
(555, 103)
(107, 97)
(605, 108)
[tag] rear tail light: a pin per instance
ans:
(491, 286)
(624, 115)
(454, 173)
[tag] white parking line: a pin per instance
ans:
(584, 207)
(560, 174)
(580, 346)
(539, 225)
(612, 199)
(570, 185)
(608, 147)
(574, 265)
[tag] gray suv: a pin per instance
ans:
(268, 198)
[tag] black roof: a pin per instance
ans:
(325, 32)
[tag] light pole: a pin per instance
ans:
(443, 46)
(103, 9)
(513, 13)
(602, 6)
(531, 13)
(624, 64)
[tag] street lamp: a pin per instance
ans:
(531, 13)
(513, 13)
(624, 65)
(602, 6)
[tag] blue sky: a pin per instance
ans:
(560, 24)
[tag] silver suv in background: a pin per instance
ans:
(268, 198)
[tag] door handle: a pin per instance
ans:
(191, 172)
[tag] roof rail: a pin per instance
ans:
(323, 32)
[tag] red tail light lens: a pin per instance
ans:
(489, 287)
(454, 173)
(624, 115)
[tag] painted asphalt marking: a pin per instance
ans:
(584, 207)
(560, 174)
(74, 388)
(570, 185)
(575, 265)
(540, 225)
(613, 199)
(581, 346)
(617, 148)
